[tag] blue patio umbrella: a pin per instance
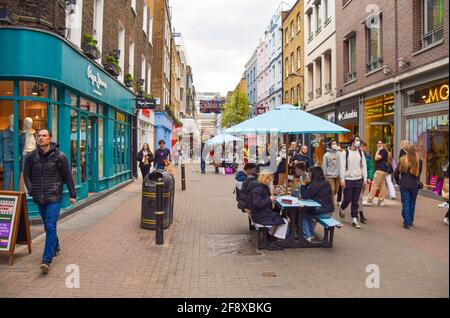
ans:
(222, 138)
(287, 120)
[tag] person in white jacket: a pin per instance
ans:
(353, 178)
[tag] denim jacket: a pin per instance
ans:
(7, 145)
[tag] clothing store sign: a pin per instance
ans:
(14, 224)
(96, 81)
(348, 115)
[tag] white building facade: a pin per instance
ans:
(320, 54)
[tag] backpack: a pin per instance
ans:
(347, 153)
(239, 180)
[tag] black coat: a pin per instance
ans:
(45, 175)
(407, 180)
(245, 193)
(300, 157)
(261, 206)
(319, 191)
(140, 158)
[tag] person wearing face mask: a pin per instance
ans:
(353, 178)
(331, 167)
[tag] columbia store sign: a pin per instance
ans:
(347, 115)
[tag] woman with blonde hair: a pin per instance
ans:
(262, 205)
(407, 176)
(403, 147)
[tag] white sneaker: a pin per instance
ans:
(309, 239)
(381, 203)
(446, 221)
(367, 203)
(356, 225)
(443, 205)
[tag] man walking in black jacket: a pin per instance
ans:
(45, 173)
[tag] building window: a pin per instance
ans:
(287, 36)
(292, 30)
(298, 94)
(292, 95)
(351, 57)
(98, 23)
(121, 42)
(292, 64)
(299, 22)
(131, 59)
(143, 70)
(73, 24)
(299, 58)
(374, 45)
(100, 148)
(319, 77)
(433, 22)
(286, 62)
(318, 17)
(310, 81)
(328, 11)
(150, 30)
(145, 17)
(310, 28)
(149, 78)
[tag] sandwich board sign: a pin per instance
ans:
(14, 224)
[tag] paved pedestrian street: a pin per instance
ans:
(209, 252)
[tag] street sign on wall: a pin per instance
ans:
(142, 103)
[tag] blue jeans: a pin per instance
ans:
(309, 225)
(49, 214)
(202, 166)
(409, 197)
(8, 174)
(160, 166)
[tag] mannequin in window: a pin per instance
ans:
(7, 152)
(30, 138)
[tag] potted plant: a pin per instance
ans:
(128, 80)
(112, 66)
(89, 46)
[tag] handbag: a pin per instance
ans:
(445, 188)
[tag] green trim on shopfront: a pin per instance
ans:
(57, 63)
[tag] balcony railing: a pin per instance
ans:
(319, 92)
(433, 36)
(374, 65)
(310, 95)
(327, 88)
(311, 37)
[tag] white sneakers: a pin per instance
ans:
(443, 205)
(367, 203)
(380, 203)
(446, 221)
(355, 224)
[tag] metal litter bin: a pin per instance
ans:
(148, 207)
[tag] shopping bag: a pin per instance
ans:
(445, 189)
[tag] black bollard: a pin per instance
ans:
(159, 214)
(183, 178)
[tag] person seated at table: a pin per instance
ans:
(262, 204)
(318, 190)
(302, 177)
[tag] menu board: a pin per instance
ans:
(8, 206)
(14, 224)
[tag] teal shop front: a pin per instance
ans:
(45, 82)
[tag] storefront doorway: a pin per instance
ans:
(92, 155)
(379, 121)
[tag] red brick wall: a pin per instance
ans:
(408, 35)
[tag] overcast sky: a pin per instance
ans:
(220, 37)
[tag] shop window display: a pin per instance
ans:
(6, 88)
(6, 144)
(431, 135)
(73, 143)
(33, 89)
(379, 121)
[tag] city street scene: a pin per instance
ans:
(225, 149)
